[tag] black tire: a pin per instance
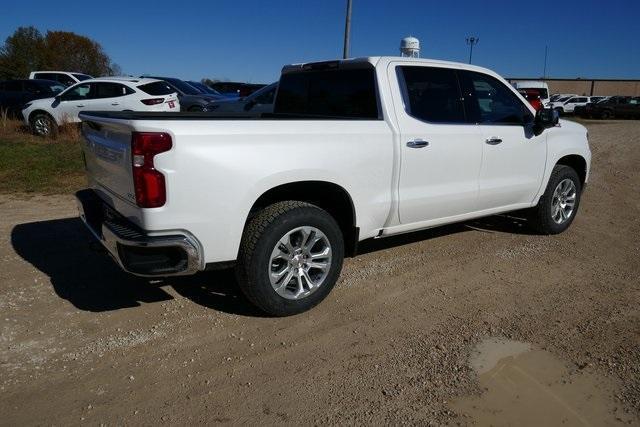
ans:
(260, 237)
(541, 216)
(42, 124)
(606, 114)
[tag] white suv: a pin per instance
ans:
(103, 94)
(570, 104)
(65, 77)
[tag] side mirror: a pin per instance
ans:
(545, 118)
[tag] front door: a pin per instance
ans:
(440, 152)
(513, 158)
(81, 97)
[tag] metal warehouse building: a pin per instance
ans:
(590, 86)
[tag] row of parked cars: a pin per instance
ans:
(49, 99)
(596, 107)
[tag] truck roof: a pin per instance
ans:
(381, 60)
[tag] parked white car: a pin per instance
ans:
(355, 149)
(44, 116)
(559, 101)
(570, 104)
(65, 77)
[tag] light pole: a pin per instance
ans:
(347, 31)
(472, 41)
(544, 70)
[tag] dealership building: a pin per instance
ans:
(589, 87)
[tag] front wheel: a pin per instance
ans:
(42, 124)
(290, 257)
(559, 204)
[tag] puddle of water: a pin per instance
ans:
(524, 386)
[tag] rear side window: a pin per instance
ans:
(432, 94)
(341, 94)
(111, 90)
(157, 88)
(489, 101)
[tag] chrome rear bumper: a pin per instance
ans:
(132, 248)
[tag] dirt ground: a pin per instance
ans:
(83, 342)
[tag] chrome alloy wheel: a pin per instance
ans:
(42, 125)
(300, 262)
(564, 201)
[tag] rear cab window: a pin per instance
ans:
(157, 88)
(330, 93)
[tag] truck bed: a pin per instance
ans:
(203, 115)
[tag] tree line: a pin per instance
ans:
(27, 49)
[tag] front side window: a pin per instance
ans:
(431, 94)
(78, 92)
(489, 101)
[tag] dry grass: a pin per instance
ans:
(32, 164)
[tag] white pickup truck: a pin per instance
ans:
(355, 149)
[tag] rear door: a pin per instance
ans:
(513, 159)
(112, 97)
(440, 152)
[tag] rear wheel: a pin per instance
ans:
(42, 124)
(290, 258)
(606, 114)
(559, 204)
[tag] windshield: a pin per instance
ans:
(564, 98)
(82, 77)
(55, 87)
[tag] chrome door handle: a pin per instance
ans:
(417, 143)
(494, 140)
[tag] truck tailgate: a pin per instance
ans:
(107, 151)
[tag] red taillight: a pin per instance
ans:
(148, 183)
(152, 101)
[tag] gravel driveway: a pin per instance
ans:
(394, 342)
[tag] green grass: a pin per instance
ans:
(30, 164)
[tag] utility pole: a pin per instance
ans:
(544, 71)
(347, 31)
(472, 41)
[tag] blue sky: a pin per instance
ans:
(251, 39)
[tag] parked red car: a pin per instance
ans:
(533, 96)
